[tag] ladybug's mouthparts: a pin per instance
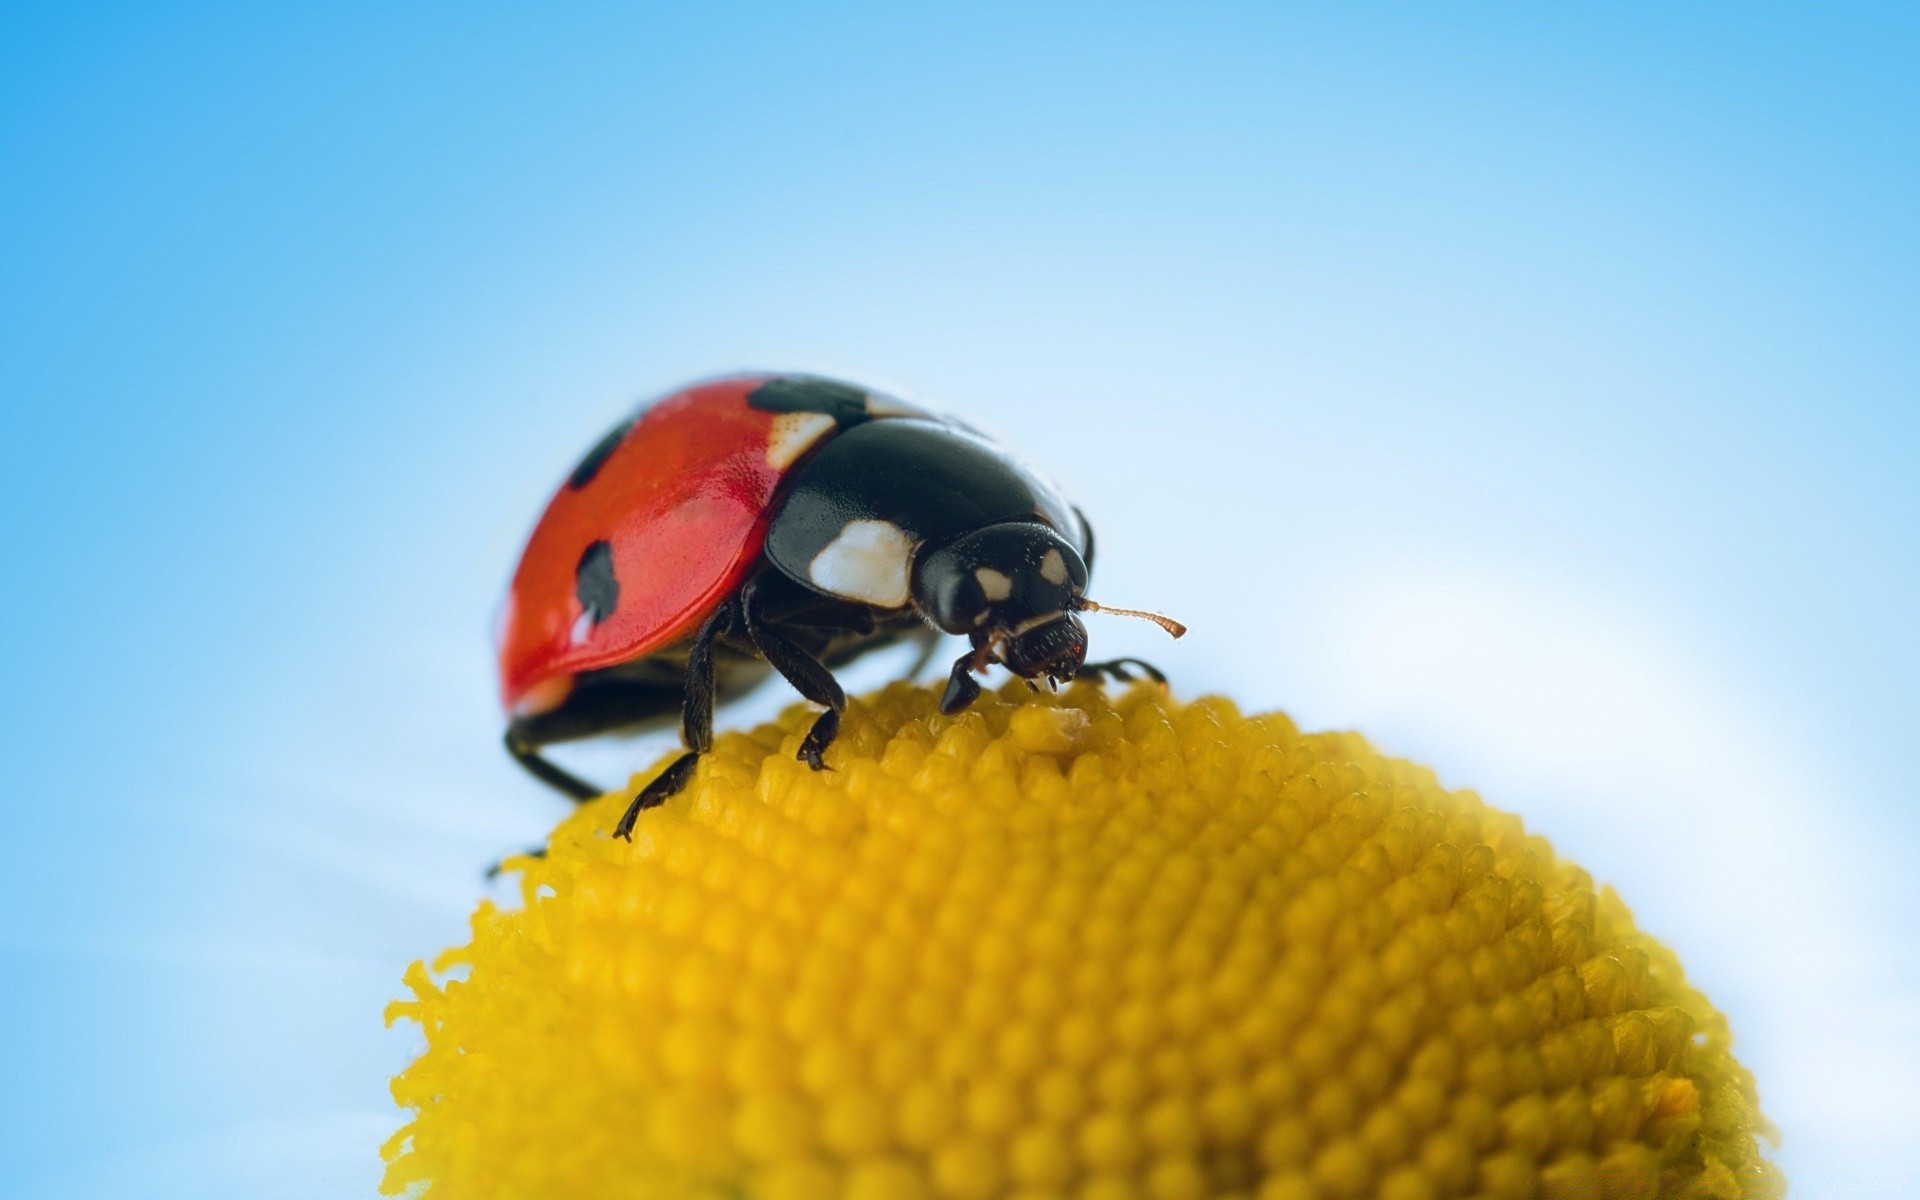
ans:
(1054, 646)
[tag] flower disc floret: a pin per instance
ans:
(1071, 945)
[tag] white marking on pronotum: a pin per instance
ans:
(879, 404)
(870, 560)
(582, 628)
(793, 434)
(995, 584)
(1053, 568)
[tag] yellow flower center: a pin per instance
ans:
(1066, 946)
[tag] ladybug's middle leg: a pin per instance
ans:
(808, 675)
(696, 723)
(928, 639)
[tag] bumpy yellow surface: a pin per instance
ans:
(1074, 946)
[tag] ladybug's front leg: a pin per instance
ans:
(962, 688)
(1122, 669)
(696, 723)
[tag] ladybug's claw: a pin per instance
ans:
(962, 688)
(825, 726)
(667, 783)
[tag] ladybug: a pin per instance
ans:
(781, 523)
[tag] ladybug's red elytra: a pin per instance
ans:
(783, 523)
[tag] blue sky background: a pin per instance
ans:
(1536, 391)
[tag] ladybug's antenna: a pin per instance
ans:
(1167, 623)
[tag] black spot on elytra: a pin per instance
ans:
(846, 404)
(598, 456)
(594, 584)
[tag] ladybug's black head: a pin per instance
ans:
(1013, 588)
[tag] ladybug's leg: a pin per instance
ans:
(808, 676)
(811, 680)
(962, 688)
(528, 755)
(1121, 669)
(929, 639)
(696, 723)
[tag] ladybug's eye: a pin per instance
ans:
(962, 602)
(948, 593)
(1002, 575)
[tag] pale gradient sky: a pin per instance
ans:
(1537, 392)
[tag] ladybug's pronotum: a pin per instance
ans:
(785, 523)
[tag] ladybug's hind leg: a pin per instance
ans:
(599, 702)
(696, 723)
(808, 676)
(527, 754)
